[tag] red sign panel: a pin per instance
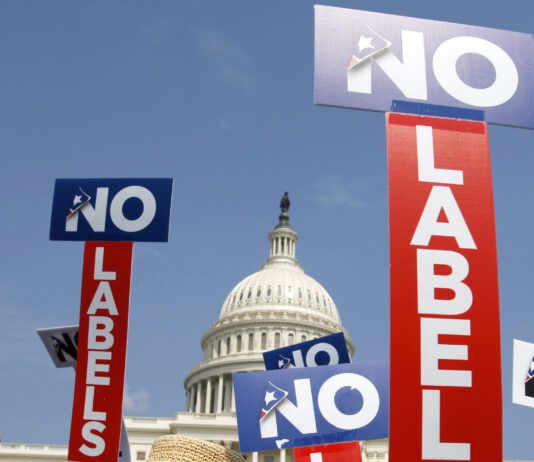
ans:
(97, 409)
(341, 452)
(445, 343)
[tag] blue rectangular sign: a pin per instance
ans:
(323, 351)
(311, 405)
(111, 209)
(365, 60)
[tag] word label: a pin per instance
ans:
(365, 60)
(97, 409)
(323, 351)
(310, 406)
(111, 209)
(445, 398)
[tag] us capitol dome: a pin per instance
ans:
(277, 306)
(274, 307)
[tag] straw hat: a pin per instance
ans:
(174, 448)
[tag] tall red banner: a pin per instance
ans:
(445, 340)
(97, 409)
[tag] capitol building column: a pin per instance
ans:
(187, 399)
(220, 388)
(190, 407)
(207, 409)
(232, 396)
(199, 397)
(227, 392)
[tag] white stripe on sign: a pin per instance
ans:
(316, 457)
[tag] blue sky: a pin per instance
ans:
(218, 95)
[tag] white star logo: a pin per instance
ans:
(280, 363)
(77, 200)
(269, 396)
(365, 42)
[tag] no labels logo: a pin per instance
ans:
(365, 60)
(111, 209)
(300, 406)
(409, 75)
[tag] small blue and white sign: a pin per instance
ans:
(311, 405)
(365, 60)
(111, 209)
(323, 351)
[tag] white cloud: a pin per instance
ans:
(227, 55)
(135, 401)
(332, 191)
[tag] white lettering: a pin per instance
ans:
(298, 359)
(96, 440)
(433, 448)
(100, 274)
(103, 300)
(329, 410)
(432, 351)
(425, 160)
(441, 198)
(333, 356)
(301, 415)
(428, 282)
(452, 268)
(93, 367)
(409, 75)
(95, 216)
(100, 327)
(88, 412)
(146, 217)
(506, 76)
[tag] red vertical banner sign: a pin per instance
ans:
(105, 299)
(445, 338)
(338, 452)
